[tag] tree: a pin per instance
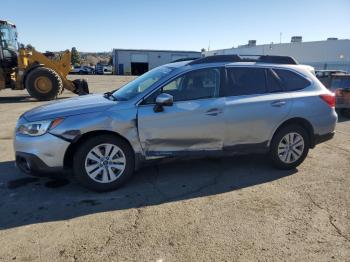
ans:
(75, 57)
(110, 61)
(91, 60)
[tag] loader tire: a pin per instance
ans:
(43, 83)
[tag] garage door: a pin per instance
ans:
(139, 58)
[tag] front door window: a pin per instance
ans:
(199, 84)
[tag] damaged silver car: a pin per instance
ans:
(210, 106)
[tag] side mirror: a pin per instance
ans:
(162, 100)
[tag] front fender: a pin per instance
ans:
(122, 123)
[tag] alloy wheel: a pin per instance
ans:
(291, 148)
(105, 163)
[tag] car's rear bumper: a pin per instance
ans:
(323, 127)
(323, 138)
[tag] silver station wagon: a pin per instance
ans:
(210, 106)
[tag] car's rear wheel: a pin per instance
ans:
(103, 163)
(289, 147)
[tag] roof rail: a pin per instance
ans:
(273, 59)
(184, 59)
(216, 59)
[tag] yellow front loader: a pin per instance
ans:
(43, 75)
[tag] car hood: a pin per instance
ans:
(68, 107)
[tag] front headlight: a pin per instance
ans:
(37, 128)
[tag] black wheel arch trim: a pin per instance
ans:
(80, 138)
(304, 123)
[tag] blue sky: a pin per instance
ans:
(177, 24)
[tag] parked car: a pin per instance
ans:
(326, 73)
(337, 82)
(211, 106)
(82, 70)
(107, 70)
(103, 69)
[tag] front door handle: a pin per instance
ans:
(278, 103)
(213, 112)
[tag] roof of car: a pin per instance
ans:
(291, 63)
(271, 59)
(187, 63)
(234, 59)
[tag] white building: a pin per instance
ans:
(329, 54)
(139, 61)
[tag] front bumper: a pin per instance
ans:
(33, 165)
(41, 153)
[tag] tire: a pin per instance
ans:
(297, 153)
(43, 83)
(103, 177)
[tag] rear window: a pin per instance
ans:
(246, 81)
(291, 81)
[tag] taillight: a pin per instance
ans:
(329, 99)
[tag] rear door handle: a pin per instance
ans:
(213, 112)
(278, 103)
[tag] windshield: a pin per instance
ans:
(141, 83)
(8, 36)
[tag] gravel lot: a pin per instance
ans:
(229, 209)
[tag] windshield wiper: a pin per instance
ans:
(110, 96)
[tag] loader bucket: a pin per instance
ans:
(81, 86)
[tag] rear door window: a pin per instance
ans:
(291, 81)
(245, 81)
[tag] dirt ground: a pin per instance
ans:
(229, 209)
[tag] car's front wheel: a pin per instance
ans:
(289, 147)
(103, 163)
